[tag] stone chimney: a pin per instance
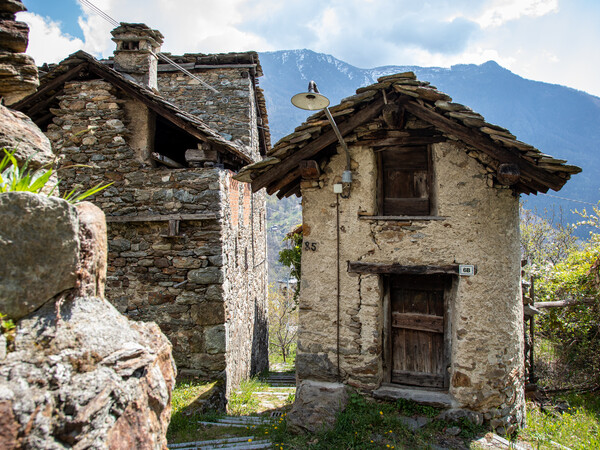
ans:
(18, 72)
(137, 45)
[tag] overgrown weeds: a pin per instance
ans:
(576, 426)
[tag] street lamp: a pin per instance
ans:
(313, 101)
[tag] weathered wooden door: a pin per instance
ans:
(417, 330)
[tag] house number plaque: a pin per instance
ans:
(310, 246)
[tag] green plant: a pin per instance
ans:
(20, 179)
(242, 401)
(292, 257)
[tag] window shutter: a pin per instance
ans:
(406, 181)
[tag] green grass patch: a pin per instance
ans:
(577, 428)
(242, 402)
(364, 424)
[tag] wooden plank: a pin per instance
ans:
(410, 206)
(160, 218)
(417, 379)
(395, 268)
(315, 146)
(563, 303)
(407, 219)
(51, 85)
(484, 144)
(289, 178)
(419, 322)
(404, 141)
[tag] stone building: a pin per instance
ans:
(187, 245)
(410, 273)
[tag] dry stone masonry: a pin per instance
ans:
(411, 273)
(186, 242)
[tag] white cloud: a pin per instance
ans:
(46, 42)
(502, 11)
(533, 38)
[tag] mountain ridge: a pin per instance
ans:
(561, 121)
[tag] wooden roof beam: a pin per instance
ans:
(53, 84)
(161, 110)
(314, 147)
(485, 145)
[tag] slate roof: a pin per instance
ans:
(82, 64)
(492, 144)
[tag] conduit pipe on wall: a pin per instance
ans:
(337, 322)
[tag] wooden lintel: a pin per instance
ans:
(315, 146)
(53, 84)
(394, 268)
(402, 141)
(485, 144)
(160, 218)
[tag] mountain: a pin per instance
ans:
(558, 120)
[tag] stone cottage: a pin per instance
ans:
(410, 273)
(187, 244)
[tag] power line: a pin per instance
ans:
(114, 23)
(184, 70)
(570, 199)
(101, 13)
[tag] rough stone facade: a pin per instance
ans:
(480, 227)
(202, 279)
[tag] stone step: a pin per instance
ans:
(244, 442)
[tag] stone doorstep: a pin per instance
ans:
(434, 398)
(231, 443)
(493, 441)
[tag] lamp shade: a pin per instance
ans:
(311, 100)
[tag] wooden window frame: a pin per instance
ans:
(430, 187)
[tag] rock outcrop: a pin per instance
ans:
(78, 374)
(18, 132)
(18, 72)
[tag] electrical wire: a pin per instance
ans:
(569, 199)
(184, 70)
(98, 11)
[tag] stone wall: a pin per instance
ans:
(245, 286)
(481, 227)
(181, 282)
(232, 111)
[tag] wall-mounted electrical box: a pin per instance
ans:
(338, 188)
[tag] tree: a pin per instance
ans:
(292, 257)
(283, 321)
(570, 272)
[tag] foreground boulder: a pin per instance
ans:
(317, 405)
(79, 374)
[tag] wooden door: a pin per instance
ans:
(417, 330)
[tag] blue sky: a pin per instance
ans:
(557, 41)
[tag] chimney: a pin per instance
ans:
(137, 45)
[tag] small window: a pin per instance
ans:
(405, 181)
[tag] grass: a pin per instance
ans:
(243, 402)
(578, 427)
(184, 415)
(367, 424)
